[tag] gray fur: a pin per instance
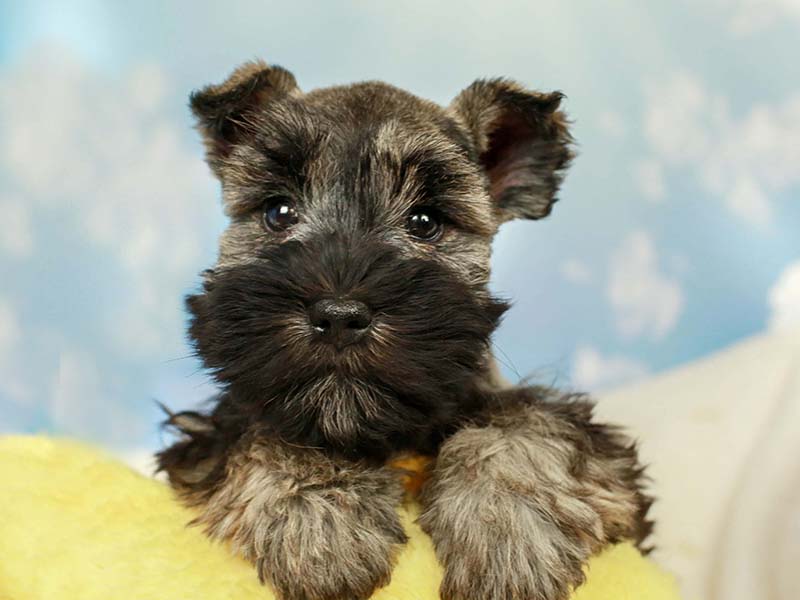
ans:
(516, 504)
(316, 529)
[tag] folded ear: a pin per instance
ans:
(523, 143)
(225, 111)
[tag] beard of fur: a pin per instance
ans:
(400, 388)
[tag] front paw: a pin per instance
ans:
(315, 528)
(328, 545)
(496, 546)
(319, 553)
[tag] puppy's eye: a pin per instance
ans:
(425, 224)
(279, 214)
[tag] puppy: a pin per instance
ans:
(348, 320)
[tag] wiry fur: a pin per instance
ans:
(315, 527)
(526, 493)
(290, 465)
(523, 142)
(413, 378)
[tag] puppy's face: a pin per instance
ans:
(349, 305)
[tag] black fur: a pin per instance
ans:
(250, 327)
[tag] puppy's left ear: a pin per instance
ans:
(523, 143)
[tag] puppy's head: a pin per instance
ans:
(349, 306)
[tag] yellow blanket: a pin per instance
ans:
(75, 524)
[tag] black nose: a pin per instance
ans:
(340, 322)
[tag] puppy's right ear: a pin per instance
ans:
(225, 111)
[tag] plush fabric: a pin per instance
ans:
(76, 524)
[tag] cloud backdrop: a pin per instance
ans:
(674, 237)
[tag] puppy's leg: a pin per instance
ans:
(315, 529)
(517, 502)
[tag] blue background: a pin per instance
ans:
(677, 229)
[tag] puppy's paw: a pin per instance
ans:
(315, 528)
(497, 546)
(328, 546)
(517, 506)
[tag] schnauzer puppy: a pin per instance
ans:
(348, 321)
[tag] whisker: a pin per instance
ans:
(509, 364)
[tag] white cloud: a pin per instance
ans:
(746, 199)
(784, 300)
(743, 161)
(9, 328)
(612, 123)
(75, 394)
(646, 302)
(93, 165)
(591, 370)
(746, 17)
(17, 238)
(576, 271)
(79, 402)
(97, 152)
(12, 387)
(650, 177)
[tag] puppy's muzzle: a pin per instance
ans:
(339, 321)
